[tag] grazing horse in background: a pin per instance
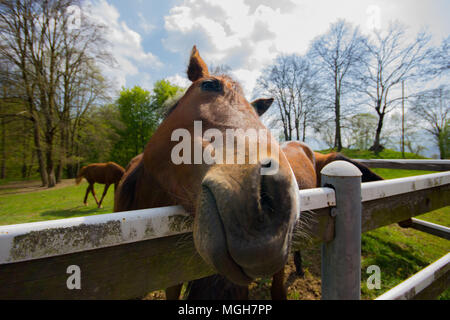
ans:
(306, 165)
(104, 173)
(243, 220)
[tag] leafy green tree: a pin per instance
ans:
(140, 113)
(163, 94)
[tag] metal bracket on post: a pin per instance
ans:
(341, 257)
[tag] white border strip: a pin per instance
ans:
(317, 198)
(388, 188)
(404, 161)
(418, 282)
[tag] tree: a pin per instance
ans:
(390, 59)
(439, 59)
(290, 81)
(163, 93)
(433, 107)
(338, 53)
(140, 113)
(360, 130)
(36, 39)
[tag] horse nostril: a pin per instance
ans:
(266, 200)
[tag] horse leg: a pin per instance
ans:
(298, 263)
(278, 290)
(87, 193)
(103, 195)
(93, 193)
(173, 293)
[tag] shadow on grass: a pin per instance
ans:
(77, 211)
(394, 261)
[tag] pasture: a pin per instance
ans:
(398, 252)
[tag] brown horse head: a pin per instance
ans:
(243, 219)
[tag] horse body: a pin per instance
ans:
(103, 173)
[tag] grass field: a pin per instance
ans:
(51, 204)
(398, 252)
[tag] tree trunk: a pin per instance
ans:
(297, 128)
(337, 110)
(376, 147)
(304, 129)
(3, 164)
(49, 160)
(40, 156)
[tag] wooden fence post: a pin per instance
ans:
(341, 257)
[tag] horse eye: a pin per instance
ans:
(211, 85)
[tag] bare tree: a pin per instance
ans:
(338, 52)
(359, 130)
(278, 82)
(390, 59)
(290, 81)
(439, 59)
(34, 37)
(433, 106)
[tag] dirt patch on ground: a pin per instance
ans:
(307, 287)
(18, 187)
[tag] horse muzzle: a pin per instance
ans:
(244, 221)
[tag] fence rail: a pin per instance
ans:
(128, 254)
(426, 284)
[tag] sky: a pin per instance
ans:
(151, 39)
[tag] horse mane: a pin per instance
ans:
(126, 193)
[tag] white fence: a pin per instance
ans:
(128, 254)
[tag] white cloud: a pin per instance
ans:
(126, 45)
(247, 35)
(179, 80)
(146, 26)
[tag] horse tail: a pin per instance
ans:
(80, 176)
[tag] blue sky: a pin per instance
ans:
(152, 38)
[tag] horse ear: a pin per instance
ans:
(197, 67)
(261, 105)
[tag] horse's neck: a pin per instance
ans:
(140, 190)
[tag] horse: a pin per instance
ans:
(243, 220)
(306, 166)
(104, 173)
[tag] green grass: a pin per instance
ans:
(51, 204)
(366, 154)
(399, 253)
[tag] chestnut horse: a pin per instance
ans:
(243, 220)
(104, 173)
(306, 165)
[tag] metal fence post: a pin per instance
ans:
(341, 257)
